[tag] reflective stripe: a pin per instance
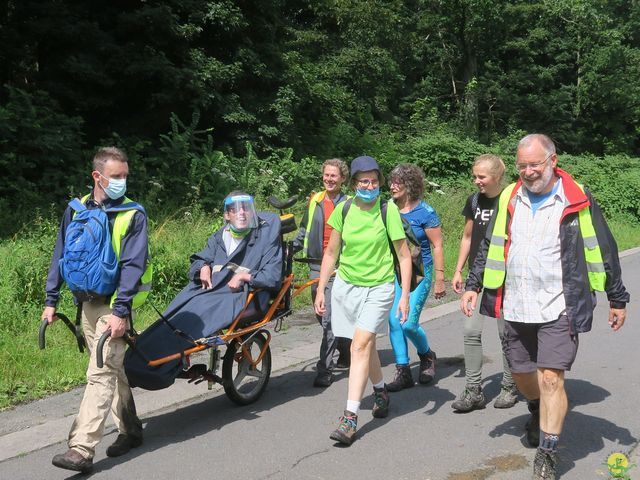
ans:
(498, 241)
(590, 242)
(495, 265)
(595, 267)
(145, 287)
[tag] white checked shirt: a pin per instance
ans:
(533, 284)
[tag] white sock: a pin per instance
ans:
(379, 385)
(353, 406)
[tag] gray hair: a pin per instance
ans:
(544, 140)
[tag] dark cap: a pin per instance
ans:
(364, 164)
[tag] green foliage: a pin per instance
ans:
(613, 180)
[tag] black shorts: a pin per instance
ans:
(529, 346)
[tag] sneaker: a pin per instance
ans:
(427, 367)
(323, 379)
(403, 379)
(73, 460)
(471, 398)
(123, 444)
(346, 431)
(380, 402)
(507, 398)
(544, 465)
(533, 424)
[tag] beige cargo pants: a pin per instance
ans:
(107, 387)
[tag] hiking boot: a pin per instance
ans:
(123, 444)
(471, 398)
(73, 460)
(544, 465)
(346, 431)
(427, 367)
(380, 402)
(323, 379)
(507, 398)
(533, 424)
(403, 379)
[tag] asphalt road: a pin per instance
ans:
(194, 433)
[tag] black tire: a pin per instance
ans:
(243, 384)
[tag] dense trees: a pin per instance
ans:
(186, 85)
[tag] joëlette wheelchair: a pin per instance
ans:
(246, 363)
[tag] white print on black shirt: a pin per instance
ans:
(483, 216)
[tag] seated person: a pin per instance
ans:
(245, 252)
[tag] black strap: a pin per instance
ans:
(175, 330)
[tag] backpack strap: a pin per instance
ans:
(126, 207)
(77, 205)
(345, 208)
(474, 203)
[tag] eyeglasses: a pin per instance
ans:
(521, 167)
(238, 208)
(395, 182)
(365, 182)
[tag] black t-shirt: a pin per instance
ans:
(481, 217)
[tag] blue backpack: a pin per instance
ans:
(89, 265)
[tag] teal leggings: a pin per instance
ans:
(410, 329)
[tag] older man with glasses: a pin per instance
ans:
(549, 250)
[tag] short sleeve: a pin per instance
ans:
(394, 223)
(335, 220)
(467, 209)
(431, 218)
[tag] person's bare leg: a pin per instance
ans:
(362, 346)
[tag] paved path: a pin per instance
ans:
(196, 433)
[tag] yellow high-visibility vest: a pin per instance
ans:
(495, 267)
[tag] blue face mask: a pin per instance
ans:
(366, 195)
(116, 188)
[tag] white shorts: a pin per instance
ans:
(366, 308)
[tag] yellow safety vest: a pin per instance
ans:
(120, 227)
(316, 198)
(495, 267)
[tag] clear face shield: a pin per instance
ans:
(240, 213)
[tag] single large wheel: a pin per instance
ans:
(242, 382)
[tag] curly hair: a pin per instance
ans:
(340, 164)
(411, 177)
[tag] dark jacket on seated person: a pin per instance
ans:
(200, 313)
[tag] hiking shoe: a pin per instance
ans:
(380, 402)
(323, 379)
(427, 367)
(123, 444)
(507, 398)
(403, 379)
(533, 424)
(471, 398)
(544, 465)
(346, 431)
(73, 460)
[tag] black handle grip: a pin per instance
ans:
(43, 329)
(76, 332)
(100, 346)
(282, 204)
